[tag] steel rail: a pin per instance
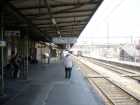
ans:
(117, 96)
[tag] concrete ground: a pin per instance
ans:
(46, 85)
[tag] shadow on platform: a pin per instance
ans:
(46, 85)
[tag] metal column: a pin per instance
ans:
(41, 54)
(50, 52)
(27, 62)
(2, 58)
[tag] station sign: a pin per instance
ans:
(64, 40)
(2, 43)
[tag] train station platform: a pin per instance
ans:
(46, 85)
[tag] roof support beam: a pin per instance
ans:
(12, 9)
(65, 22)
(61, 12)
(66, 30)
(65, 25)
(62, 17)
(60, 5)
(62, 20)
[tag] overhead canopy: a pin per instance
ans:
(56, 17)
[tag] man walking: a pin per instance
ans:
(68, 65)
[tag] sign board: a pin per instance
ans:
(15, 33)
(64, 40)
(2, 43)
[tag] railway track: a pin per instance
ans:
(120, 70)
(111, 93)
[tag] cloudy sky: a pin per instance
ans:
(116, 21)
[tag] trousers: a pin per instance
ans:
(68, 72)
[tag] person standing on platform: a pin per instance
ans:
(15, 65)
(68, 65)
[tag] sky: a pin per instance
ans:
(115, 21)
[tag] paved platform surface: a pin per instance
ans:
(46, 85)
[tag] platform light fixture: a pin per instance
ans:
(58, 32)
(53, 21)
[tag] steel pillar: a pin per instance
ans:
(2, 58)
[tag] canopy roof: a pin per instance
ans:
(52, 18)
